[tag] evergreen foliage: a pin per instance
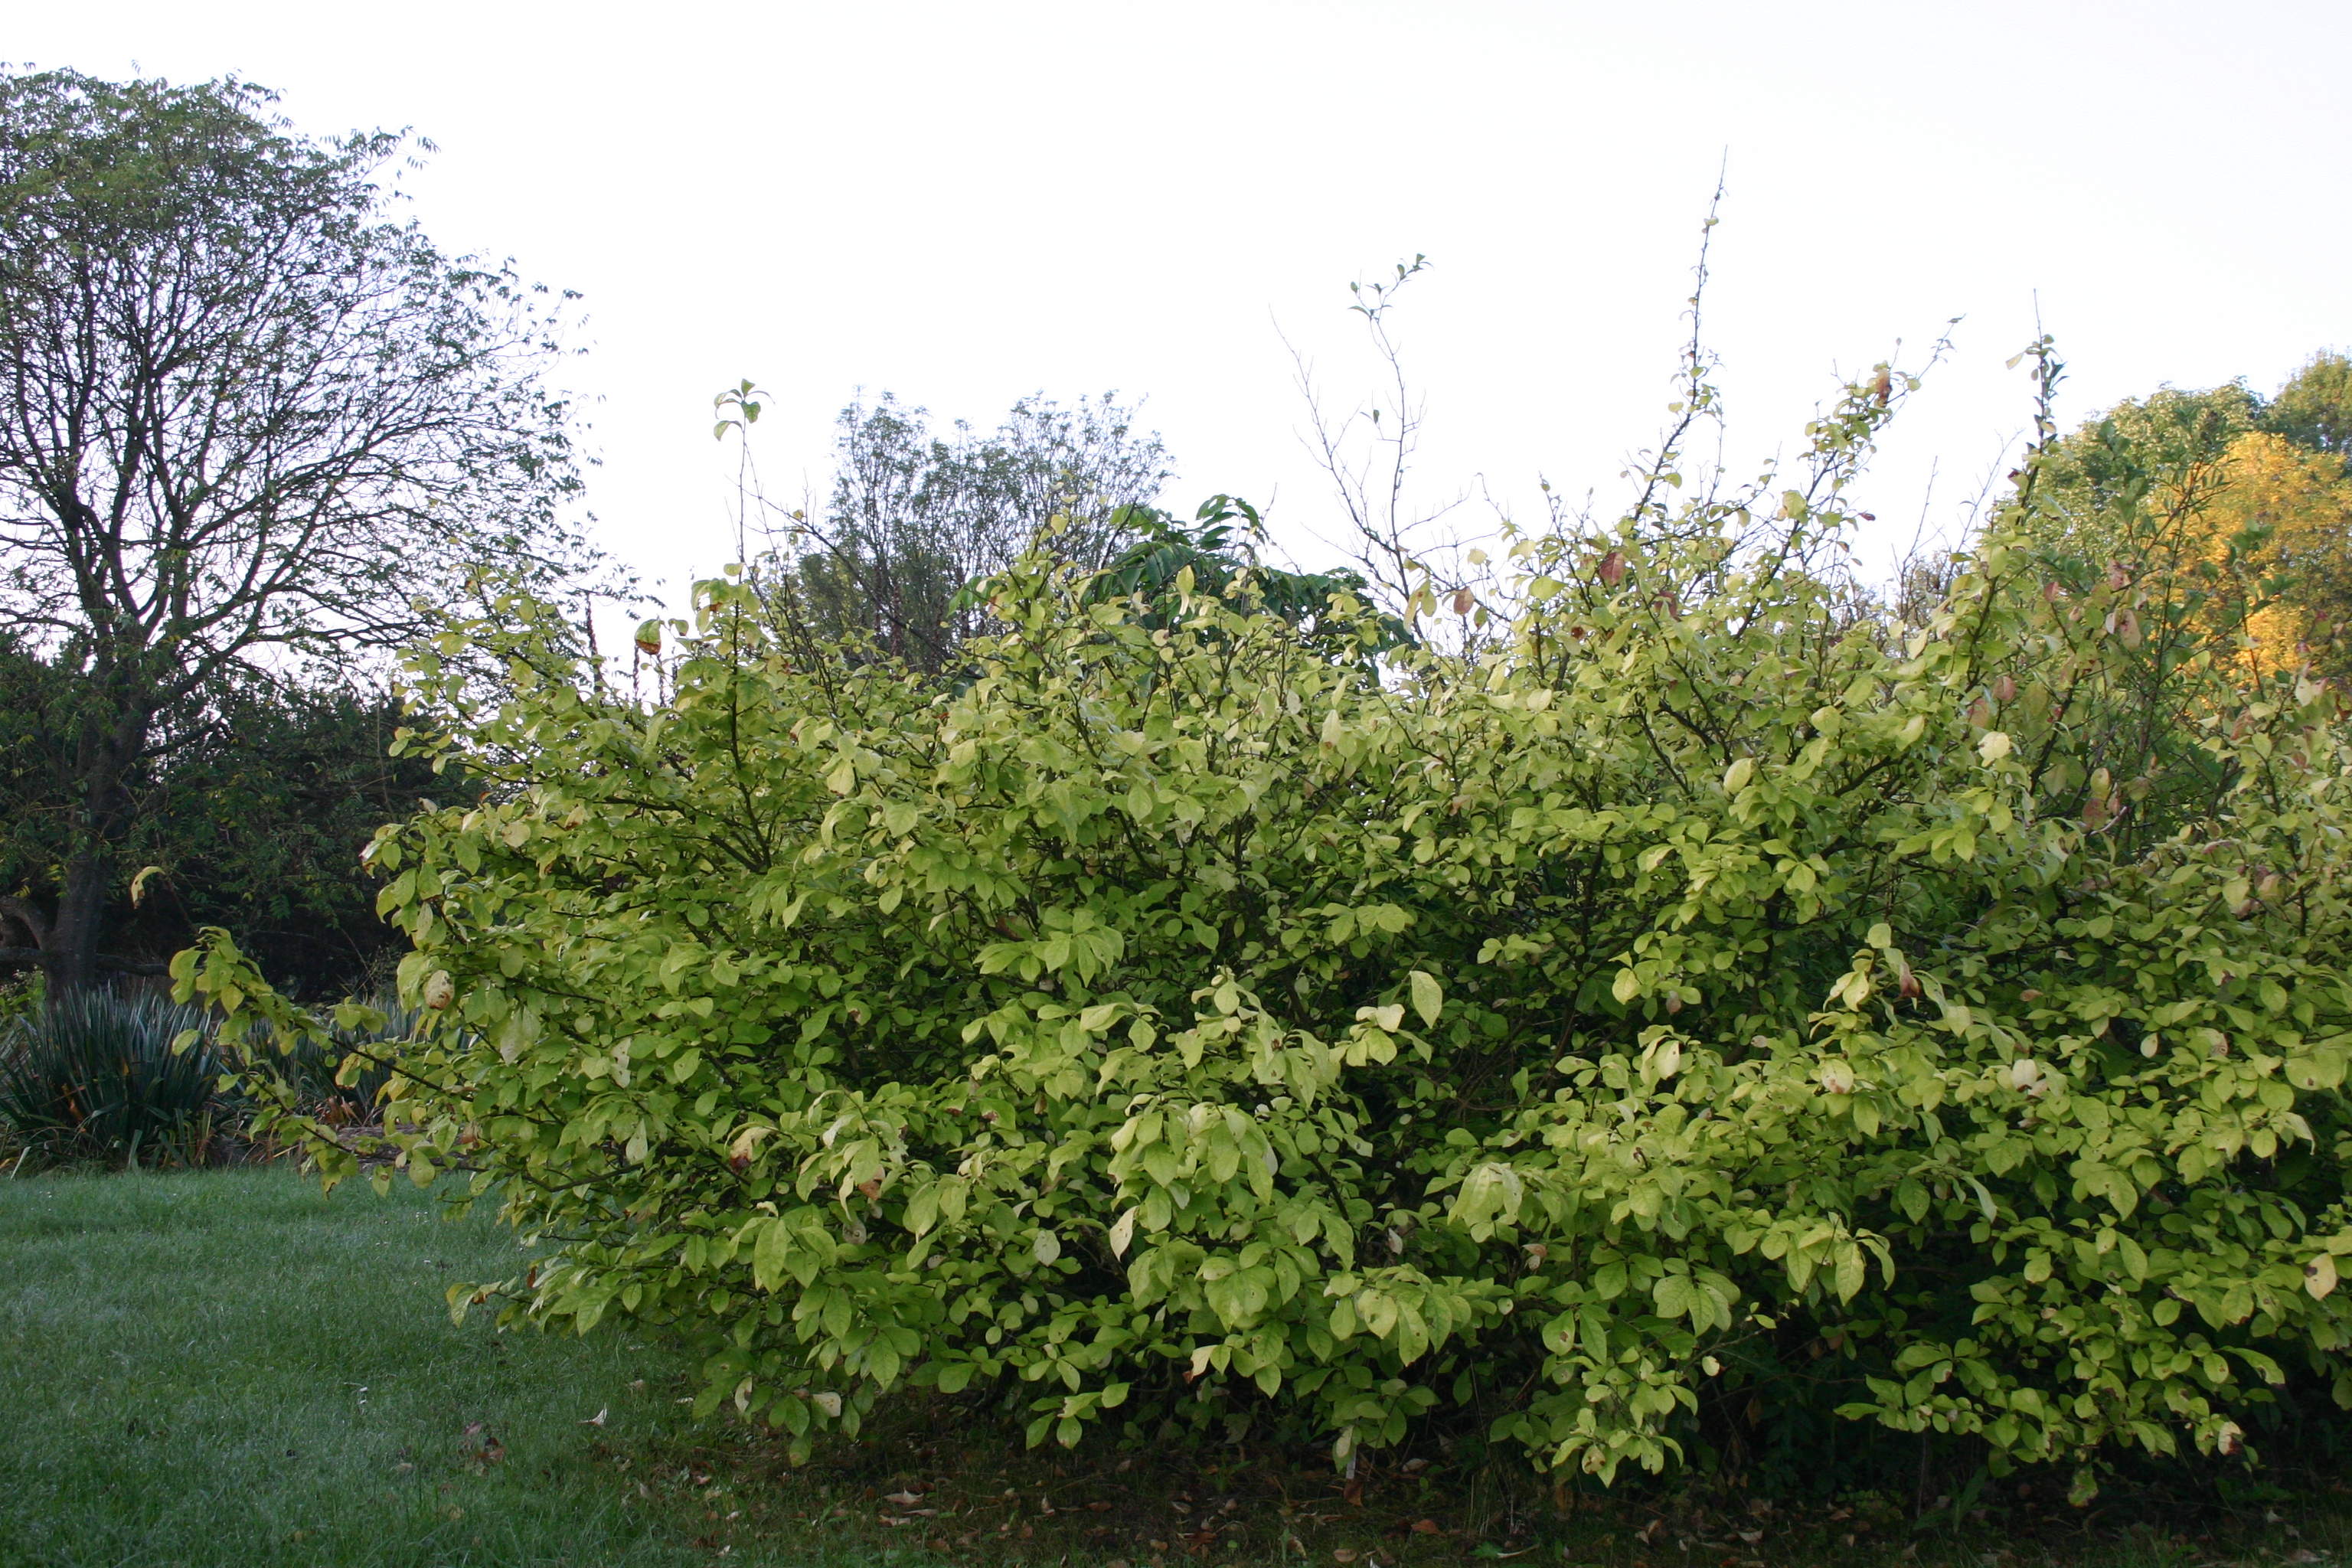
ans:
(252, 809)
(95, 1075)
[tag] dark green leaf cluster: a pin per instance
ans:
(251, 805)
(1210, 555)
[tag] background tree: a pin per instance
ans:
(249, 421)
(2314, 409)
(1149, 576)
(2246, 501)
(258, 823)
(914, 517)
(2289, 508)
(252, 807)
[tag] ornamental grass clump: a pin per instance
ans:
(93, 1076)
(1710, 1003)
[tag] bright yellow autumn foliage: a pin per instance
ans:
(2289, 511)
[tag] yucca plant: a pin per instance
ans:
(94, 1075)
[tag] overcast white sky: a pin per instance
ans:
(966, 202)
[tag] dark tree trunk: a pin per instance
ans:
(70, 956)
(71, 960)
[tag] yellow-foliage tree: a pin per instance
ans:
(2244, 508)
(2288, 511)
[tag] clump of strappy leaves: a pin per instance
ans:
(1713, 991)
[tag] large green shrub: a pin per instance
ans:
(1716, 993)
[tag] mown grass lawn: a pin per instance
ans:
(230, 1369)
(227, 1368)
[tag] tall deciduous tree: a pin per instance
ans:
(249, 420)
(914, 516)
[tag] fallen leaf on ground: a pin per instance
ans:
(1426, 1527)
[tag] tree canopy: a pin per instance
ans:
(2314, 409)
(250, 812)
(252, 423)
(2248, 500)
(913, 518)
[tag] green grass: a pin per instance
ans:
(228, 1368)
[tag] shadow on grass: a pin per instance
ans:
(952, 1480)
